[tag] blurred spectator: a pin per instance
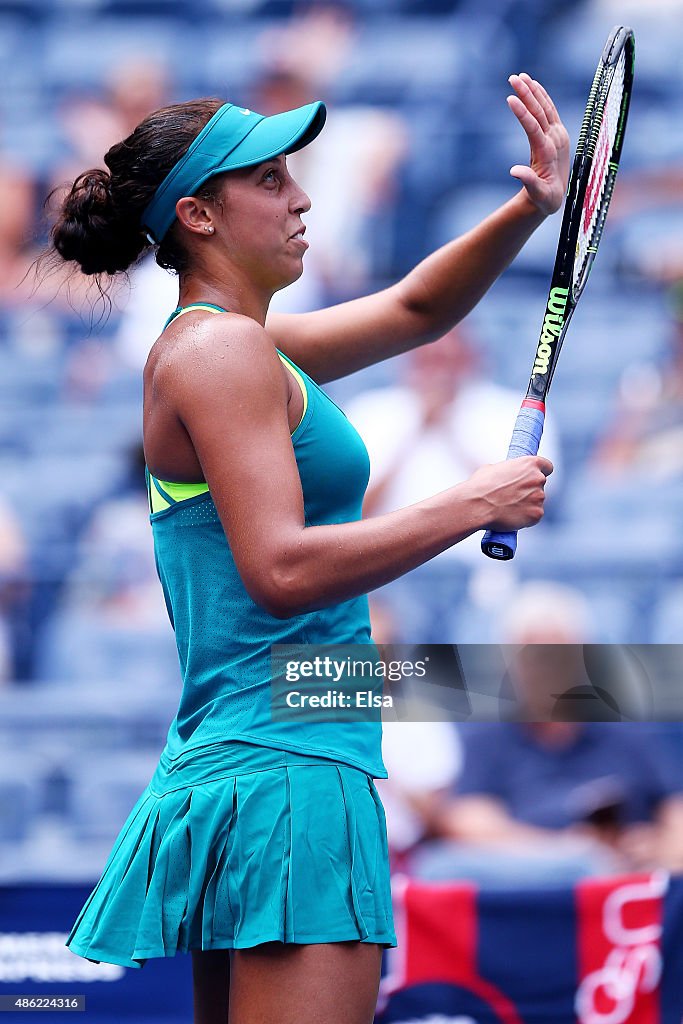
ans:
(555, 801)
(552, 676)
(544, 612)
(135, 88)
(352, 177)
(423, 760)
(352, 182)
(14, 594)
(646, 435)
(17, 216)
(329, 30)
(547, 802)
(91, 124)
(151, 297)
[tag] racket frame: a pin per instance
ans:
(563, 269)
(564, 294)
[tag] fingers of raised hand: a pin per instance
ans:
(527, 120)
(543, 98)
(524, 86)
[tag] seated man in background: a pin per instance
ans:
(542, 801)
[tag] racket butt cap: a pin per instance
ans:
(495, 549)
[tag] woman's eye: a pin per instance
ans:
(270, 175)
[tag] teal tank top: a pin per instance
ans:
(224, 638)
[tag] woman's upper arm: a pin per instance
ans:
(333, 342)
(229, 390)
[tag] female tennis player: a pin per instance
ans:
(261, 845)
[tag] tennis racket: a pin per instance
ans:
(591, 184)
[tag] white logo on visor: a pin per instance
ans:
(245, 111)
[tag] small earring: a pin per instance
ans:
(209, 228)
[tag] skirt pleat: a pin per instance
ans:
(291, 854)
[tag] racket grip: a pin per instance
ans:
(526, 437)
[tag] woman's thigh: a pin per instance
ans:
(211, 985)
(317, 983)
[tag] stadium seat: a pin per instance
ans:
(667, 616)
(22, 792)
(81, 645)
(96, 429)
(74, 56)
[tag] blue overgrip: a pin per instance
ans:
(526, 437)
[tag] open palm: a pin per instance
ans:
(545, 177)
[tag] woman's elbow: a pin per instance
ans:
(278, 609)
(279, 593)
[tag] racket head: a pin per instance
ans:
(589, 192)
(590, 188)
(600, 145)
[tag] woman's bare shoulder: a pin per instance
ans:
(210, 350)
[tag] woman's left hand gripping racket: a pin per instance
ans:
(591, 184)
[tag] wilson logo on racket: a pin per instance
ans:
(552, 327)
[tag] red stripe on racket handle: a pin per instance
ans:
(526, 437)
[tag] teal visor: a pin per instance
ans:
(234, 137)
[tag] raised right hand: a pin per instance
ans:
(512, 492)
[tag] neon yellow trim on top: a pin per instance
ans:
(182, 491)
(193, 306)
(157, 501)
(158, 504)
(175, 491)
(300, 381)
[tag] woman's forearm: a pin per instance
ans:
(316, 566)
(323, 565)
(444, 287)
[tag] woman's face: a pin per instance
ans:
(259, 217)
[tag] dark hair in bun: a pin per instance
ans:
(92, 232)
(98, 225)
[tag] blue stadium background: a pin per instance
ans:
(88, 697)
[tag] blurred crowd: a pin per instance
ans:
(561, 784)
(416, 148)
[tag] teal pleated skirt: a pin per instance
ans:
(238, 845)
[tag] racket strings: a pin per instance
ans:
(598, 190)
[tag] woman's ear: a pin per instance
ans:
(195, 215)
